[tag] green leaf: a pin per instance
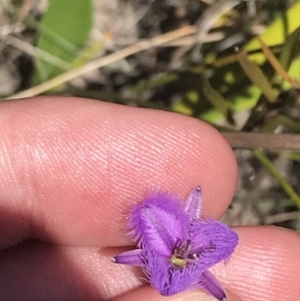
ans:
(186, 104)
(294, 70)
(285, 185)
(64, 31)
(273, 122)
(218, 101)
(292, 155)
(154, 82)
(276, 64)
(289, 48)
(276, 32)
(256, 75)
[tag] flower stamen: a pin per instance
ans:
(181, 255)
(179, 262)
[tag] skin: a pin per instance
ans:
(70, 171)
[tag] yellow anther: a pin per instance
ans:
(178, 261)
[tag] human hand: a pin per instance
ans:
(70, 171)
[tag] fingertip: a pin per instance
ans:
(268, 257)
(73, 167)
(149, 293)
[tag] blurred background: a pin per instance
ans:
(233, 63)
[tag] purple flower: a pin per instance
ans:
(175, 246)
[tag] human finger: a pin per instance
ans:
(72, 168)
(265, 267)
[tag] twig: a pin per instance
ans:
(263, 140)
(106, 60)
(11, 28)
(24, 9)
(212, 14)
(187, 41)
(282, 217)
(207, 21)
(36, 52)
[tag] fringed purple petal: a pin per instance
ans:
(176, 246)
(133, 257)
(158, 223)
(193, 203)
(212, 286)
(166, 278)
(212, 242)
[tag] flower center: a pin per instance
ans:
(181, 255)
(180, 262)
